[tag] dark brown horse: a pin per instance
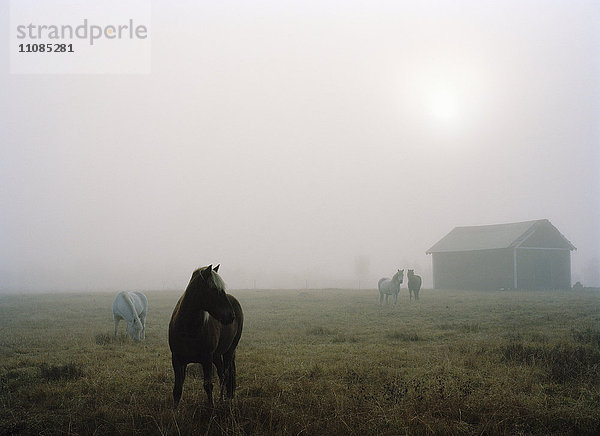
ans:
(414, 283)
(205, 328)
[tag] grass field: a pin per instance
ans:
(312, 362)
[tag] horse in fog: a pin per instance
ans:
(131, 307)
(205, 328)
(414, 283)
(389, 287)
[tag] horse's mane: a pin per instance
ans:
(183, 314)
(215, 279)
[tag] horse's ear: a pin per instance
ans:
(206, 272)
(216, 269)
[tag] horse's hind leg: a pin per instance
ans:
(218, 361)
(380, 298)
(208, 384)
(143, 319)
(230, 384)
(116, 325)
(179, 370)
(232, 375)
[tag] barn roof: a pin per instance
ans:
(497, 236)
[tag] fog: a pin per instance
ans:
(302, 144)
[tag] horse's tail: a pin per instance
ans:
(143, 301)
(129, 302)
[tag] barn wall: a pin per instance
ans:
(481, 269)
(543, 269)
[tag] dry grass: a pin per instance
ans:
(313, 362)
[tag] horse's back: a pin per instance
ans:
(122, 307)
(239, 316)
(118, 297)
(230, 334)
(237, 308)
(118, 302)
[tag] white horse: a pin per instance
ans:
(131, 307)
(390, 287)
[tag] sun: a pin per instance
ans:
(444, 108)
(445, 101)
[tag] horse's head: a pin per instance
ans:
(410, 273)
(134, 329)
(208, 293)
(399, 276)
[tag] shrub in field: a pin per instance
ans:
(564, 361)
(587, 336)
(538, 337)
(15, 378)
(68, 371)
(340, 338)
(470, 327)
(103, 338)
(315, 371)
(405, 336)
(194, 370)
(567, 361)
(395, 390)
(107, 338)
(319, 331)
(521, 353)
(513, 336)
(463, 327)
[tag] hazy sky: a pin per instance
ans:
(286, 139)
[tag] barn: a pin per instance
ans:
(524, 255)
